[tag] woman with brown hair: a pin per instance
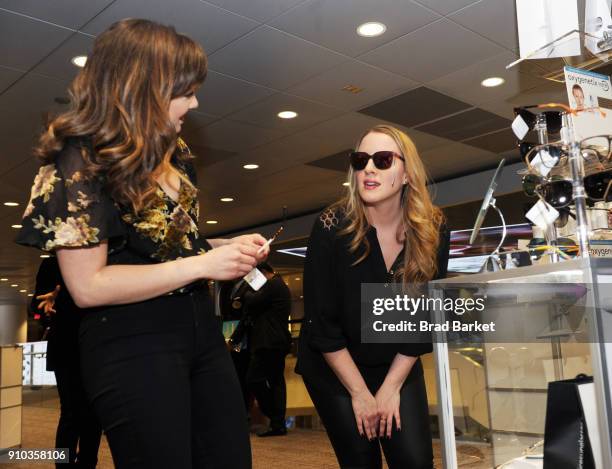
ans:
(384, 230)
(116, 200)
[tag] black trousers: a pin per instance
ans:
(163, 385)
(410, 448)
(266, 380)
(77, 426)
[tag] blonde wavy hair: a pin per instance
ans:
(421, 219)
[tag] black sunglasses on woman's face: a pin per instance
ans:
(382, 159)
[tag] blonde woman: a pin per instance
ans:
(385, 229)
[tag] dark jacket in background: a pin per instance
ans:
(266, 317)
(62, 340)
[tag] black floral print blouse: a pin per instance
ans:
(67, 209)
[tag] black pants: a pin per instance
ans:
(164, 386)
(77, 426)
(410, 448)
(266, 380)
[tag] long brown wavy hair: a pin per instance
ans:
(421, 219)
(121, 99)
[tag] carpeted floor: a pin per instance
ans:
(304, 449)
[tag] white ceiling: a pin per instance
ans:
(267, 56)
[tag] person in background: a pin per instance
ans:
(265, 328)
(386, 229)
(78, 429)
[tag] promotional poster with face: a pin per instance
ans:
(589, 93)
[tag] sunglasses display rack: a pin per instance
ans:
(564, 175)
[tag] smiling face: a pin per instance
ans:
(578, 97)
(375, 185)
(179, 108)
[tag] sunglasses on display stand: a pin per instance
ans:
(558, 193)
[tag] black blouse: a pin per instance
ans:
(68, 209)
(332, 299)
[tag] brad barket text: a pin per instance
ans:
(426, 326)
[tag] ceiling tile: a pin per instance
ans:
(375, 84)
(550, 92)
(455, 159)
(333, 23)
(336, 162)
(465, 125)
(260, 10)
(496, 142)
(24, 41)
(465, 83)
(58, 64)
(264, 113)
(195, 120)
(68, 13)
(234, 136)
(433, 51)
(272, 58)
(221, 94)
(493, 19)
(205, 156)
(415, 107)
(8, 76)
(424, 141)
(445, 7)
(211, 26)
(22, 110)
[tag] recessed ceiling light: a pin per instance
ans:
(492, 82)
(16, 226)
(298, 278)
(3, 279)
(287, 114)
(45, 256)
(30, 294)
(346, 183)
(11, 204)
(14, 285)
(211, 222)
(227, 199)
(251, 166)
(371, 29)
(79, 60)
(22, 291)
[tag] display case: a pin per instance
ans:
(543, 341)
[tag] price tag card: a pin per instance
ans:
(255, 279)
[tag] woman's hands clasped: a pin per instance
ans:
(366, 413)
(388, 403)
(375, 414)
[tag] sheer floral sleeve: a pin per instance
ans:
(68, 209)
